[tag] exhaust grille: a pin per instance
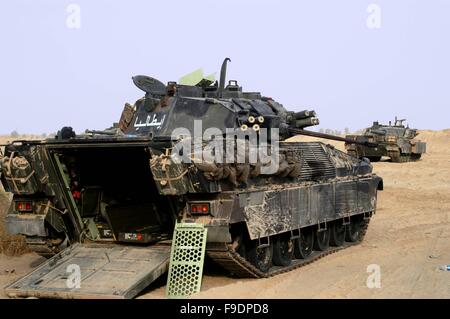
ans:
(317, 164)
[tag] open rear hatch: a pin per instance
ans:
(111, 189)
(107, 271)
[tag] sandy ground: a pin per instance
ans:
(408, 238)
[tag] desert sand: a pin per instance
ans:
(408, 238)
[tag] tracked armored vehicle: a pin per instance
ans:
(394, 141)
(205, 153)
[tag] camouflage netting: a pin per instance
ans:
(243, 166)
(9, 245)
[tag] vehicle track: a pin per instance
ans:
(239, 267)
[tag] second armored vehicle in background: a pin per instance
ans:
(395, 141)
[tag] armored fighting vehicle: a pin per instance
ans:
(205, 153)
(395, 141)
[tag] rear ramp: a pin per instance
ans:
(105, 271)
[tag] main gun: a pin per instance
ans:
(297, 121)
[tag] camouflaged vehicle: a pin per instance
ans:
(394, 141)
(108, 200)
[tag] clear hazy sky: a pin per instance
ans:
(350, 62)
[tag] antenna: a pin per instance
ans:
(223, 75)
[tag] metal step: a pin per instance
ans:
(186, 260)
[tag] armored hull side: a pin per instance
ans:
(285, 223)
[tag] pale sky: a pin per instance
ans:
(323, 55)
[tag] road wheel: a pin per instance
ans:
(260, 257)
(303, 246)
(337, 236)
(398, 157)
(283, 250)
(404, 158)
(322, 240)
(354, 229)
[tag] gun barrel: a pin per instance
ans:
(304, 114)
(309, 121)
(295, 131)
